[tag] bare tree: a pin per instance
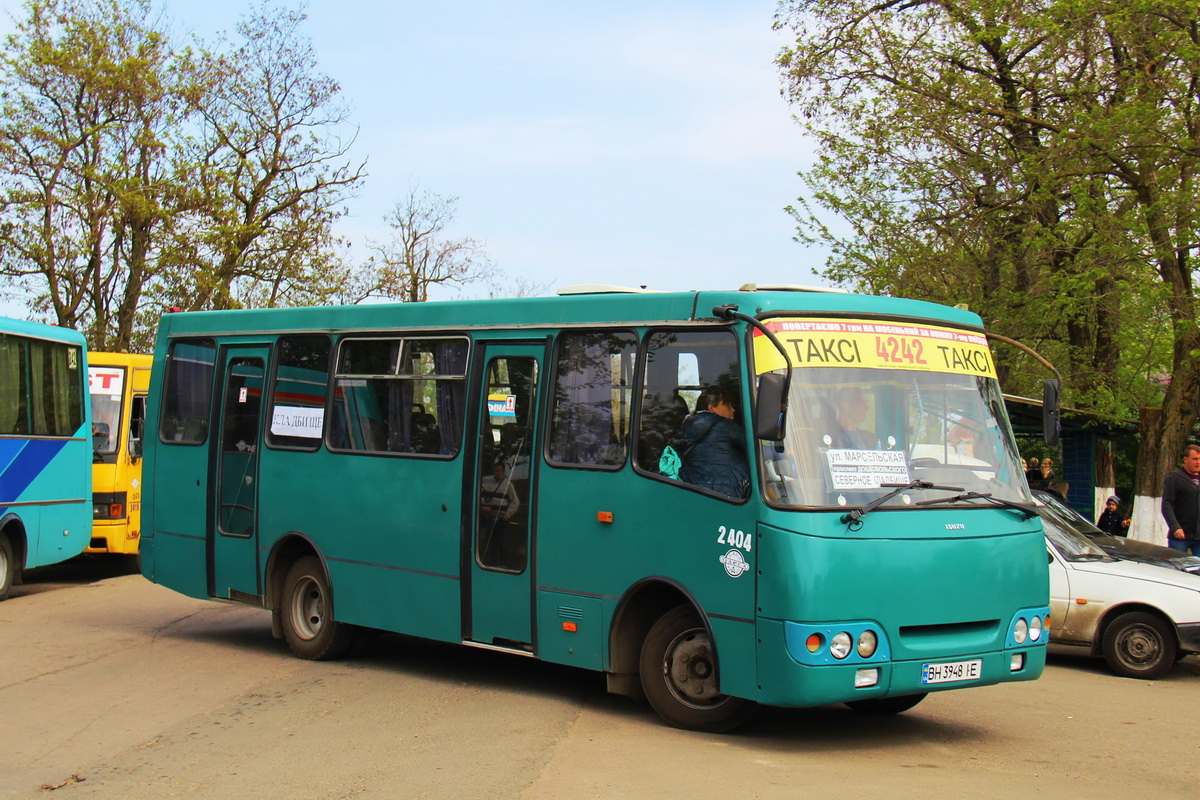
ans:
(419, 254)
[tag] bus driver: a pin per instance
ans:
(852, 409)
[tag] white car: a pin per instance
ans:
(1141, 618)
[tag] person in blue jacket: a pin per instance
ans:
(714, 446)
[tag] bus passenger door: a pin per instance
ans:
(233, 527)
(502, 474)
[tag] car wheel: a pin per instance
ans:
(1139, 645)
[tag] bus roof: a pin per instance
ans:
(37, 330)
(602, 305)
(97, 359)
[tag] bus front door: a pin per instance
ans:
(233, 533)
(502, 473)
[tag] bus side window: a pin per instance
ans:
(398, 395)
(187, 391)
(680, 365)
(298, 392)
(593, 392)
(14, 387)
(55, 391)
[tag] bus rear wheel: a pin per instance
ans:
(8, 566)
(307, 606)
(679, 675)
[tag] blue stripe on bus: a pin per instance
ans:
(28, 463)
(9, 448)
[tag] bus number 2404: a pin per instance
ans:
(732, 538)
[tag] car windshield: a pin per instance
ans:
(1070, 544)
(1069, 514)
(852, 431)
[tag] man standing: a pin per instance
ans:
(1181, 503)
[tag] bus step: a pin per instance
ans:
(516, 648)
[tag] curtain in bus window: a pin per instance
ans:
(450, 357)
(56, 405)
(400, 410)
(12, 385)
(592, 398)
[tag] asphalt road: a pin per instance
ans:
(113, 687)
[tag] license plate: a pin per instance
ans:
(951, 671)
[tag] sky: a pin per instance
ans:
(628, 142)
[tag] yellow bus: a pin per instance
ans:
(117, 385)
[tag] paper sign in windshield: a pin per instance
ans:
(297, 421)
(867, 469)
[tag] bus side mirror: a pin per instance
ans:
(1051, 423)
(770, 408)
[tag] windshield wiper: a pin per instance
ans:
(896, 488)
(1024, 508)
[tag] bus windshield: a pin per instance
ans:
(860, 424)
(106, 390)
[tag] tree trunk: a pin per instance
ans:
(1106, 476)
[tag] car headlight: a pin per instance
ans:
(1035, 629)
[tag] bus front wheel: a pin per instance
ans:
(8, 566)
(679, 675)
(308, 624)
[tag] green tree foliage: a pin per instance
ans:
(137, 173)
(1035, 159)
(85, 179)
(270, 170)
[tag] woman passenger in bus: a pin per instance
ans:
(714, 446)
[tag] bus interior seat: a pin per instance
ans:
(662, 422)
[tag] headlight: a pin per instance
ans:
(840, 645)
(1035, 629)
(1021, 631)
(867, 642)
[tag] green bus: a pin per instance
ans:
(504, 474)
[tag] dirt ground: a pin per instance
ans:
(117, 688)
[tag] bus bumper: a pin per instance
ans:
(785, 681)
